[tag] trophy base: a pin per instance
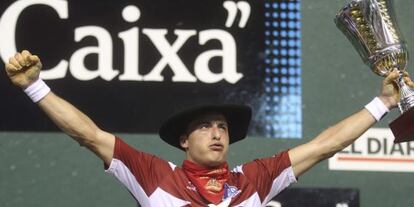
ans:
(403, 127)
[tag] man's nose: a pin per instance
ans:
(216, 132)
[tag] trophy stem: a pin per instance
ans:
(406, 95)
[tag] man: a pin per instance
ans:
(204, 133)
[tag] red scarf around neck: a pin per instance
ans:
(208, 181)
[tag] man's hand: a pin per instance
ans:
(23, 69)
(390, 94)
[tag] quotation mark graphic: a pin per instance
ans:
(232, 8)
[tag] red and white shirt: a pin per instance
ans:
(155, 182)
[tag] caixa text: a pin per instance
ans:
(131, 40)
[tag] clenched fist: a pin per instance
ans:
(23, 69)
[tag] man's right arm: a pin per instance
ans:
(79, 126)
(23, 70)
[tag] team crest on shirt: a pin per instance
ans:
(230, 191)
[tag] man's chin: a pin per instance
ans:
(215, 163)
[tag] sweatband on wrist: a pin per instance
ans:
(37, 90)
(377, 108)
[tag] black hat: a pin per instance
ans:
(237, 116)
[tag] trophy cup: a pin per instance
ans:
(371, 27)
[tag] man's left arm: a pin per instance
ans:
(345, 132)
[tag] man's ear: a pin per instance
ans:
(184, 142)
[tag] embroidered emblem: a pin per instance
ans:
(213, 185)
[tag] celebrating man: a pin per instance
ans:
(204, 133)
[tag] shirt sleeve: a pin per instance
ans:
(270, 175)
(140, 172)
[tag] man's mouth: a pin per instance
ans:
(216, 146)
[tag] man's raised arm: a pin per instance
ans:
(23, 70)
(344, 133)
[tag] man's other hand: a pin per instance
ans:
(23, 69)
(390, 94)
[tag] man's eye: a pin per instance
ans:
(204, 126)
(223, 127)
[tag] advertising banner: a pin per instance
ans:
(375, 151)
(129, 64)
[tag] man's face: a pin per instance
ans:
(207, 140)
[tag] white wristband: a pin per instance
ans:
(37, 90)
(377, 108)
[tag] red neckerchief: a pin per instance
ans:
(208, 181)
